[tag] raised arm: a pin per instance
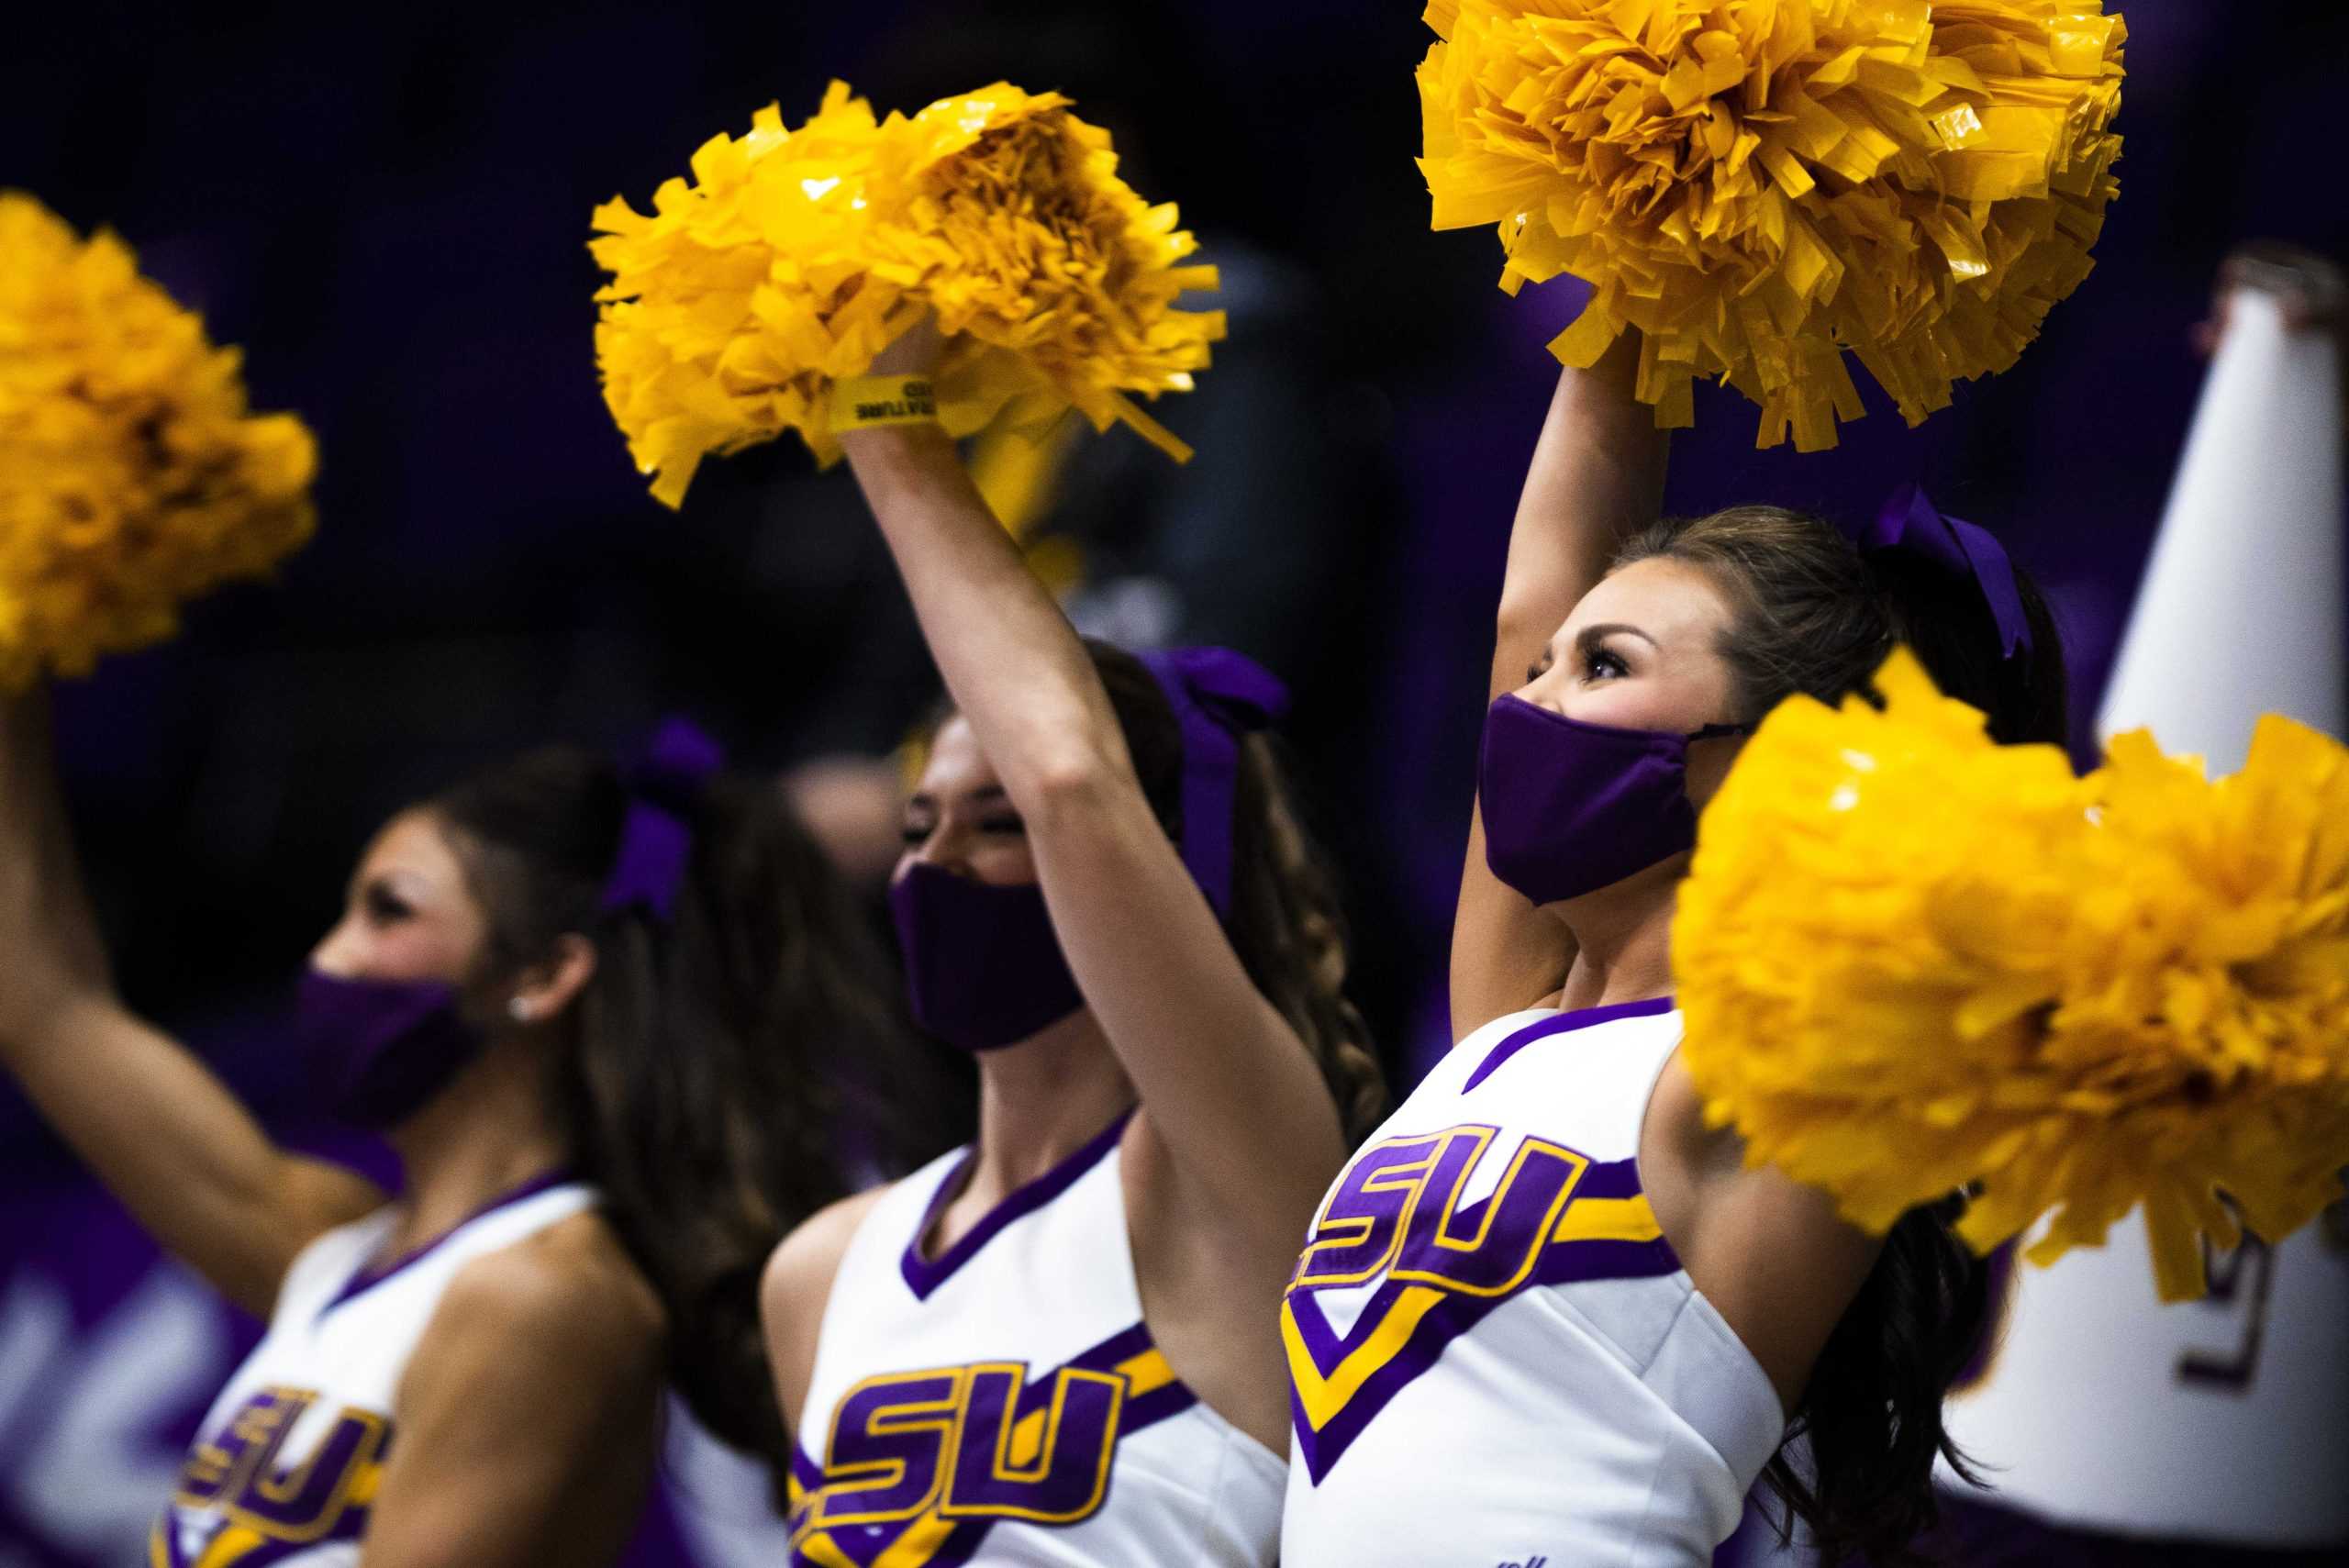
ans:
(1597, 477)
(154, 1123)
(1226, 1086)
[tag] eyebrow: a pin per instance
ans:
(389, 880)
(1590, 636)
(924, 799)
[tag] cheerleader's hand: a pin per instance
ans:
(916, 352)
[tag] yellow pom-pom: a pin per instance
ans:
(794, 256)
(132, 478)
(1913, 961)
(1758, 186)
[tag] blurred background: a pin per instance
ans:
(387, 206)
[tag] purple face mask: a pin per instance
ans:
(1571, 807)
(983, 963)
(382, 1049)
(983, 967)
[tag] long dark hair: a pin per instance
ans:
(1286, 923)
(1809, 614)
(720, 1066)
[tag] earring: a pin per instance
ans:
(519, 1010)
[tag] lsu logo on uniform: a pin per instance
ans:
(923, 1464)
(266, 1512)
(1406, 1262)
(971, 1442)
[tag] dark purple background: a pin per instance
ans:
(388, 208)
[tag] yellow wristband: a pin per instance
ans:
(867, 402)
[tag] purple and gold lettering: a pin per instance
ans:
(1495, 1254)
(969, 1442)
(1362, 1223)
(1402, 1261)
(1398, 1211)
(236, 1474)
(307, 1502)
(218, 1469)
(889, 1442)
(1042, 1456)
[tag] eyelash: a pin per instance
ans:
(1596, 657)
(916, 832)
(384, 908)
(1590, 660)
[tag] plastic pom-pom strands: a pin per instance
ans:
(794, 256)
(1759, 185)
(132, 477)
(1913, 961)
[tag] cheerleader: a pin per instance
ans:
(584, 1004)
(1058, 1345)
(1546, 1315)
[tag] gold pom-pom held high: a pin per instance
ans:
(132, 476)
(1761, 185)
(794, 256)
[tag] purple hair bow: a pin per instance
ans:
(1909, 523)
(656, 839)
(1217, 695)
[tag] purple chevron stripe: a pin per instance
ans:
(1563, 1023)
(861, 1545)
(1610, 1179)
(266, 1551)
(1158, 1405)
(1571, 1262)
(1451, 1317)
(271, 1551)
(1327, 1347)
(963, 1545)
(1140, 1410)
(1111, 1353)
(1563, 1263)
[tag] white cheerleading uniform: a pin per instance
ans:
(288, 1459)
(1495, 1358)
(1003, 1403)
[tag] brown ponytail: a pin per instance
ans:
(723, 1066)
(1286, 922)
(1811, 615)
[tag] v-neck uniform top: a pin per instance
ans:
(1004, 1402)
(1495, 1355)
(286, 1463)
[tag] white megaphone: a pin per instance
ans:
(2226, 1419)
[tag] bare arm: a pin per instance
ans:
(792, 1290)
(159, 1129)
(528, 1422)
(1597, 476)
(1770, 1254)
(1225, 1084)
